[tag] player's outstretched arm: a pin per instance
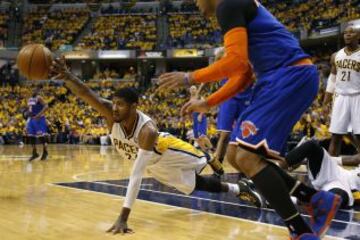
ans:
(353, 160)
(78, 88)
(147, 140)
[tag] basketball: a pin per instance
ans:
(34, 61)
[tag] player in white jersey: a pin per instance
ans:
(344, 82)
(168, 159)
(326, 172)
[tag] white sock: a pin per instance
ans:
(234, 188)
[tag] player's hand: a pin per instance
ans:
(60, 69)
(204, 143)
(120, 226)
(195, 105)
(172, 80)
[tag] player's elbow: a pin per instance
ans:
(237, 65)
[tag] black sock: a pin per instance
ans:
(273, 187)
(310, 150)
(32, 141)
(296, 188)
(297, 225)
(303, 192)
(43, 141)
(208, 184)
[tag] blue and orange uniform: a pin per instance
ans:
(231, 109)
(36, 127)
(287, 81)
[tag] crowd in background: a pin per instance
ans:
(193, 31)
(54, 28)
(121, 32)
(4, 25)
(313, 15)
(135, 28)
(86, 126)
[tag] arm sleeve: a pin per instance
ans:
(235, 61)
(235, 85)
(233, 17)
(142, 160)
(330, 87)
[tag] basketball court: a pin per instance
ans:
(78, 193)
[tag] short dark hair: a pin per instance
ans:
(129, 94)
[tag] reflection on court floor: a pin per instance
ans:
(345, 225)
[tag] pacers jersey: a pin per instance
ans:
(128, 146)
(168, 142)
(271, 45)
(35, 107)
(348, 72)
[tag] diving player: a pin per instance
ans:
(326, 172)
(168, 159)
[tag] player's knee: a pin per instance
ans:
(249, 163)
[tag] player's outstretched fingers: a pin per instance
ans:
(129, 231)
(164, 77)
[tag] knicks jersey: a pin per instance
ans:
(271, 45)
(35, 107)
(348, 72)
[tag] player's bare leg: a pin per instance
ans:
(222, 145)
(231, 155)
(335, 144)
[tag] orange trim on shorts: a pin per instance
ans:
(304, 61)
